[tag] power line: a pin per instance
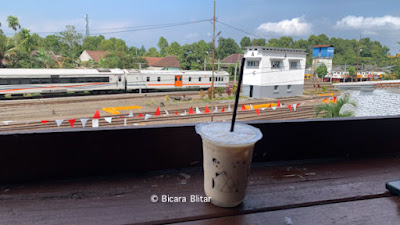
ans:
(238, 29)
(147, 26)
(155, 27)
(129, 29)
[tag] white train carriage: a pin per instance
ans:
(174, 79)
(20, 81)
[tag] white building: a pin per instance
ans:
(273, 72)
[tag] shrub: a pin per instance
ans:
(209, 92)
(220, 91)
(228, 90)
(202, 94)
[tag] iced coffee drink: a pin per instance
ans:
(227, 159)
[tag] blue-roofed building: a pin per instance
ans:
(323, 51)
(322, 54)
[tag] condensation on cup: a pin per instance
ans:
(227, 159)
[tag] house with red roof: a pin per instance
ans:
(233, 58)
(163, 63)
(88, 55)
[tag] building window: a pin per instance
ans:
(289, 89)
(276, 89)
(253, 63)
(147, 79)
(158, 79)
(293, 65)
(276, 64)
(199, 79)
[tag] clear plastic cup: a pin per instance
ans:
(227, 159)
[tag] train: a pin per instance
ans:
(45, 81)
(338, 76)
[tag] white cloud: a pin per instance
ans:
(295, 26)
(364, 23)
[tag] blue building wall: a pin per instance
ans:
(325, 52)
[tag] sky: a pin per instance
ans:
(188, 21)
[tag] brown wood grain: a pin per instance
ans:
(125, 199)
(366, 212)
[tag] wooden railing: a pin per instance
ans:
(104, 151)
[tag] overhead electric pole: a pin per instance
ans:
(358, 59)
(87, 25)
(213, 61)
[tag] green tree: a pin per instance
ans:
(26, 41)
(226, 47)
(273, 42)
(13, 23)
(142, 51)
(113, 44)
(321, 70)
(72, 40)
(174, 49)
(192, 56)
(187, 57)
(330, 110)
(285, 42)
(258, 42)
(152, 52)
(53, 43)
(92, 42)
(5, 45)
(245, 42)
(45, 60)
(352, 72)
(120, 45)
(163, 46)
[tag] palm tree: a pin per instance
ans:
(45, 59)
(13, 23)
(333, 109)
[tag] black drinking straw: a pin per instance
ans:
(237, 94)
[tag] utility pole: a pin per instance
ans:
(234, 76)
(87, 25)
(213, 61)
(358, 58)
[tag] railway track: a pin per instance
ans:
(280, 113)
(94, 98)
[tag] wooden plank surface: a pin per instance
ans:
(380, 211)
(126, 199)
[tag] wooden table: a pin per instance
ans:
(319, 191)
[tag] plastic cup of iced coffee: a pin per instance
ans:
(227, 158)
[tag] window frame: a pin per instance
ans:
(253, 63)
(276, 61)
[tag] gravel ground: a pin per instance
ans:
(86, 106)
